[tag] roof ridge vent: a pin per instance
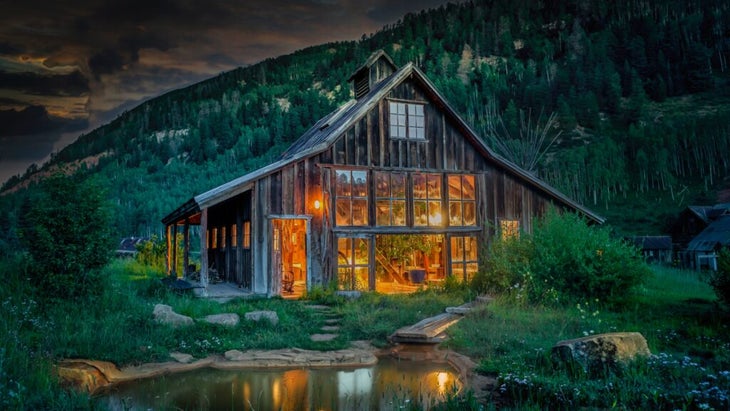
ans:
(377, 67)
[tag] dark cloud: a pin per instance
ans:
(73, 84)
(9, 49)
(35, 120)
(391, 11)
(106, 61)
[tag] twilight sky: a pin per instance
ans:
(67, 67)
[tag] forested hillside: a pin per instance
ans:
(633, 94)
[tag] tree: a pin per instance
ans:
(65, 230)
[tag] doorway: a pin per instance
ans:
(289, 256)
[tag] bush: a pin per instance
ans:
(505, 267)
(580, 261)
(65, 232)
(153, 253)
(563, 259)
(720, 280)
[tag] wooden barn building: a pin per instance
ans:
(390, 192)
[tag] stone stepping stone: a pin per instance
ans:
(323, 337)
(332, 321)
(318, 307)
(330, 328)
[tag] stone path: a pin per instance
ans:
(332, 323)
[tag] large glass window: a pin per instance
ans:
(464, 257)
(353, 263)
(427, 200)
(351, 196)
(407, 120)
(462, 200)
(390, 199)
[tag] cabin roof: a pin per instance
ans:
(715, 235)
(652, 242)
(325, 131)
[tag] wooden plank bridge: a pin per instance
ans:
(431, 330)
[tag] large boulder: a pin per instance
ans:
(600, 352)
(257, 316)
(227, 320)
(164, 315)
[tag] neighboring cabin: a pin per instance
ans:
(700, 233)
(654, 248)
(389, 192)
(127, 246)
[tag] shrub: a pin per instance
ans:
(153, 253)
(720, 280)
(564, 258)
(581, 261)
(505, 267)
(65, 233)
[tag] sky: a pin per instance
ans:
(67, 67)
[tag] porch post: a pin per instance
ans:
(169, 250)
(186, 249)
(204, 247)
(239, 246)
(174, 250)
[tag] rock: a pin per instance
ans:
(182, 357)
(460, 310)
(322, 337)
(228, 320)
(599, 352)
(259, 315)
(164, 315)
(349, 294)
(82, 376)
(330, 328)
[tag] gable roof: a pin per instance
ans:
(325, 131)
(713, 236)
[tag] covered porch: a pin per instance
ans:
(223, 242)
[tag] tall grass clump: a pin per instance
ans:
(563, 260)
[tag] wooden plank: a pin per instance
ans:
(427, 328)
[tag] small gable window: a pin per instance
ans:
(407, 121)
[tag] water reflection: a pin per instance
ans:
(387, 386)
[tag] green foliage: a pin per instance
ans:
(504, 268)
(66, 234)
(580, 261)
(720, 279)
(563, 259)
(153, 253)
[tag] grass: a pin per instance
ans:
(675, 311)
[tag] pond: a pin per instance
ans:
(389, 385)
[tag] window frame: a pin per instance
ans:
(462, 200)
(390, 198)
(429, 200)
(353, 266)
(464, 262)
(410, 124)
(350, 198)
